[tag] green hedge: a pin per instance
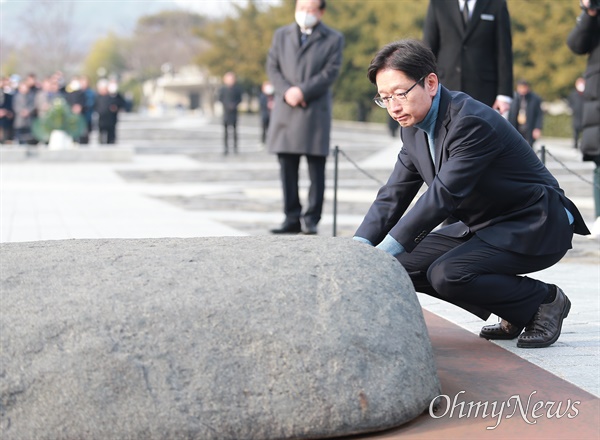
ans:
(557, 126)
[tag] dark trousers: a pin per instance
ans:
(479, 277)
(107, 134)
(265, 129)
(289, 166)
(576, 135)
(23, 135)
(596, 190)
(233, 126)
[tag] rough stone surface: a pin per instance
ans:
(209, 338)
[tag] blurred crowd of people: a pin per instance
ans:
(25, 99)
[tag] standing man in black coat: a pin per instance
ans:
(575, 100)
(6, 113)
(472, 43)
(230, 96)
(267, 101)
(526, 113)
(584, 39)
(108, 104)
(75, 97)
(303, 62)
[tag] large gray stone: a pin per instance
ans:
(209, 338)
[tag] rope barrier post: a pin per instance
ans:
(543, 154)
(336, 155)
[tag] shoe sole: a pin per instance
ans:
(499, 337)
(555, 338)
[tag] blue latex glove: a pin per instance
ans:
(391, 246)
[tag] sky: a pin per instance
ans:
(120, 16)
(215, 8)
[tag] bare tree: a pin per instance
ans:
(167, 38)
(48, 38)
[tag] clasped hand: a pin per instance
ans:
(294, 97)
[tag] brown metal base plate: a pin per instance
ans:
(474, 371)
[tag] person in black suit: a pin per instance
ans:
(6, 112)
(109, 103)
(584, 39)
(266, 101)
(576, 100)
(513, 216)
(473, 46)
(526, 113)
(75, 97)
(230, 96)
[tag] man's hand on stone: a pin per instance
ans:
(391, 246)
(362, 240)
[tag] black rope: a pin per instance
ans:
(546, 151)
(570, 170)
(360, 169)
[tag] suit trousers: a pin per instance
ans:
(233, 126)
(289, 169)
(479, 277)
(107, 134)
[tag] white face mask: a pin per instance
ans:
(269, 90)
(306, 20)
(580, 87)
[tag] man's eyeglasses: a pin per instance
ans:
(385, 102)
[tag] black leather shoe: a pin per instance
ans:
(502, 330)
(544, 329)
(287, 229)
(310, 228)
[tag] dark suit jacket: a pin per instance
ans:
(108, 107)
(477, 60)
(230, 97)
(533, 114)
(585, 39)
(485, 175)
(6, 104)
(313, 67)
(575, 100)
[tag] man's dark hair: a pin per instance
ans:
(322, 4)
(412, 57)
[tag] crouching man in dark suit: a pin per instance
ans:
(514, 217)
